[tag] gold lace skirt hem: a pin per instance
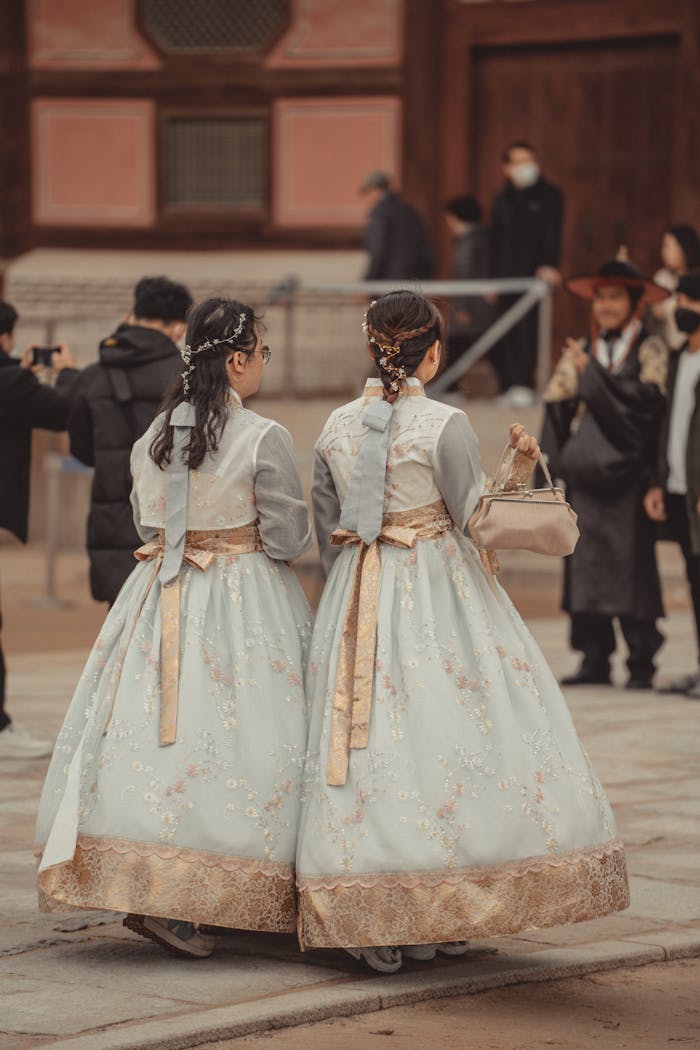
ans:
(174, 883)
(468, 904)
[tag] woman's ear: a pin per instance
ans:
(237, 362)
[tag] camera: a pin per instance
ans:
(41, 355)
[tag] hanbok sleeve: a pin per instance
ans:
(458, 471)
(284, 524)
(326, 508)
(146, 532)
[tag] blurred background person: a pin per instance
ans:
(680, 252)
(603, 407)
(469, 315)
(25, 404)
(395, 235)
(675, 498)
(113, 403)
(526, 231)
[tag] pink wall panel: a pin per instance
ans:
(340, 33)
(93, 162)
(77, 34)
(323, 150)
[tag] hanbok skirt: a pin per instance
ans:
(203, 829)
(473, 810)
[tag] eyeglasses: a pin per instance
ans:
(265, 353)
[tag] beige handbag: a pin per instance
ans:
(522, 519)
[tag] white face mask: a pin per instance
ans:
(525, 174)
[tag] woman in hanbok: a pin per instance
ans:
(173, 792)
(446, 793)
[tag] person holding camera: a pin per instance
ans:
(25, 404)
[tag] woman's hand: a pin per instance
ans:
(523, 442)
(573, 350)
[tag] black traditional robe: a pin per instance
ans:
(601, 440)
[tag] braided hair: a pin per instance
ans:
(400, 327)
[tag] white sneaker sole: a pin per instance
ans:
(452, 949)
(370, 960)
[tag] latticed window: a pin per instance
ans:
(215, 164)
(245, 27)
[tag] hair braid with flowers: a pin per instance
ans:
(400, 327)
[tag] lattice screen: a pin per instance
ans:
(235, 26)
(218, 163)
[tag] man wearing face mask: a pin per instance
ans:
(675, 498)
(526, 227)
(603, 407)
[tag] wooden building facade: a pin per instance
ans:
(250, 123)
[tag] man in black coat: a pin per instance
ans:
(674, 497)
(526, 229)
(603, 408)
(25, 405)
(395, 236)
(113, 403)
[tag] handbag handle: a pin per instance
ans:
(509, 449)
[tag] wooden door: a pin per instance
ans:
(600, 118)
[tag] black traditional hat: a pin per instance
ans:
(620, 273)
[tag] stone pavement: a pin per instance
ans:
(81, 981)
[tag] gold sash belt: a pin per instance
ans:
(354, 679)
(201, 548)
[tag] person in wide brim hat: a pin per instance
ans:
(617, 272)
(603, 406)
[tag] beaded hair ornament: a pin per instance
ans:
(189, 352)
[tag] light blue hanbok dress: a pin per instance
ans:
(447, 795)
(174, 786)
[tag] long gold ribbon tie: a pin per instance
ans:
(352, 702)
(201, 548)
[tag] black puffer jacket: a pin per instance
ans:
(112, 404)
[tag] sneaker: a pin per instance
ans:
(422, 952)
(18, 742)
(452, 947)
(521, 397)
(182, 938)
(383, 960)
(504, 400)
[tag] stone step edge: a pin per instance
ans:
(329, 999)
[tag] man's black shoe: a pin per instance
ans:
(641, 681)
(587, 677)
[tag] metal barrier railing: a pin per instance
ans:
(307, 318)
(531, 291)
